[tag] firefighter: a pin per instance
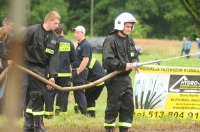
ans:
(66, 57)
(119, 53)
(41, 44)
(80, 67)
(96, 72)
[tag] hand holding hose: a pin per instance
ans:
(135, 67)
(52, 80)
(129, 66)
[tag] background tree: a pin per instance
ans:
(38, 10)
(156, 19)
(78, 14)
(3, 9)
(108, 11)
(192, 7)
(164, 19)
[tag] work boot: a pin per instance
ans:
(28, 122)
(48, 116)
(91, 113)
(109, 129)
(57, 111)
(39, 124)
(123, 129)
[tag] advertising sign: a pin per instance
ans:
(161, 91)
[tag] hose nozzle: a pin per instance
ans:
(138, 64)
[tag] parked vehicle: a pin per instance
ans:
(97, 44)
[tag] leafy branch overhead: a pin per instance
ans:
(193, 10)
(161, 19)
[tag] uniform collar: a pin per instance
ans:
(81, 41)
(123, 38)
(44, 29)
(60, 36)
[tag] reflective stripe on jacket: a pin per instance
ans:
(66, 57)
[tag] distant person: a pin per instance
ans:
(187, 47)
(198, 45)
(80, 68)
(119, 53)
(66, 58)
(183, 43)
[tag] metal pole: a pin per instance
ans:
(92, 18)
(138, 64)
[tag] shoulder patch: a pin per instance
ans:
(64, 46)
(53, 41)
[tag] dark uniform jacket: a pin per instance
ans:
(2, 50)
(117, 52)
(66, 57)
(96, 71)
(42, 47)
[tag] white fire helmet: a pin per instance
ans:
(122, 19)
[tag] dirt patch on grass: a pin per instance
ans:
(179, 126)
(140, 127)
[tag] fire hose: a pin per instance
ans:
(69, 88)
(86, 86)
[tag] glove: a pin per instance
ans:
(135, 64)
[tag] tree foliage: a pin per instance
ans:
(3, 9)
(156, 18)
(192, 7)
(79, 14)
(38, 10)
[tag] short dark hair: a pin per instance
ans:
(59, 29)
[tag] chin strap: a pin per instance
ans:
(123, 33)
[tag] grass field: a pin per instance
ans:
(152, 49)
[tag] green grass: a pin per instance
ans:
(73, 122)
(79, 121)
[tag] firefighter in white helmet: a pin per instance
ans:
(119, 53)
